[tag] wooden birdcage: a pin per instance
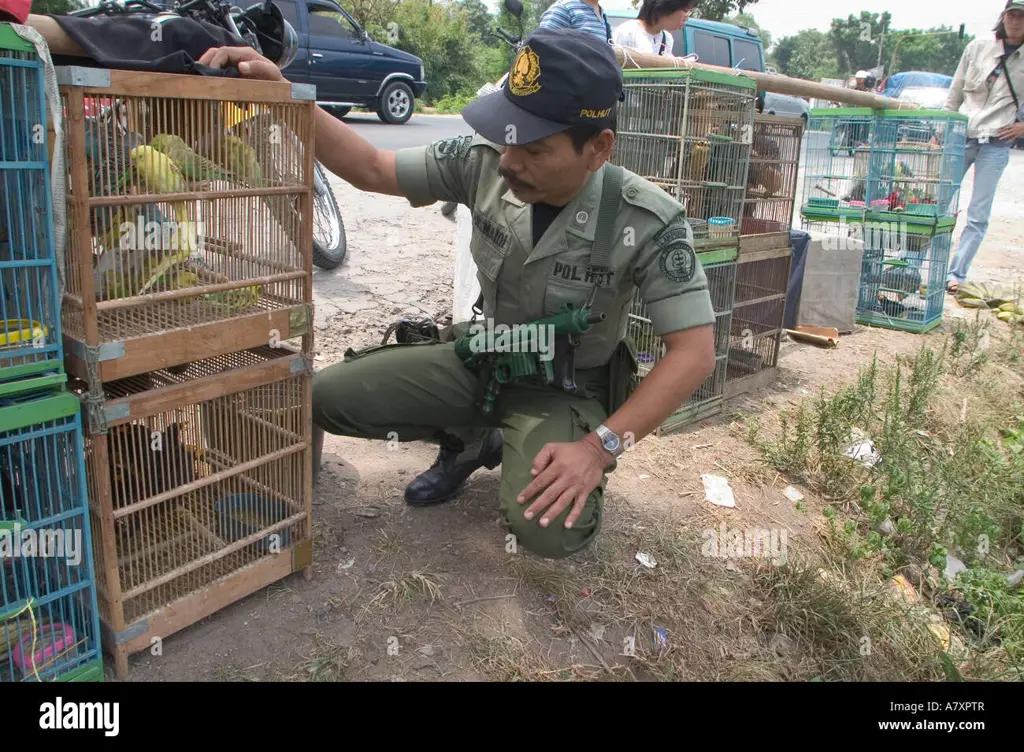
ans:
(200, 490)
(771, 182)
(759, 310)
(188, 333)
(167, 264)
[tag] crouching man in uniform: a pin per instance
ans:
(554, 223)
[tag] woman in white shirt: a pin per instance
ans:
(651, 31)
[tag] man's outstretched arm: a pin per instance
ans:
(338, 147)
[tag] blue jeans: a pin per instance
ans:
(989, 161)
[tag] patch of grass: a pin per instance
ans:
(393, 594)
(845, 633)
(326, 662)
(949, 482)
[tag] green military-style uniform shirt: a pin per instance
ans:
(652, 247)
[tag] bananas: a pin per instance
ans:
(1008, 307)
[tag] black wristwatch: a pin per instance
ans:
(609, 440)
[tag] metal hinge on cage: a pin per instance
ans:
(303, 364)
(299, 319)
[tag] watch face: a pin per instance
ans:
(611, 443)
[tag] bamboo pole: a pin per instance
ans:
(773, 82)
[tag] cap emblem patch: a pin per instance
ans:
(525, 72)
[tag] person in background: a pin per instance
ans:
(987, 87)
(651, 31)
(585, 15)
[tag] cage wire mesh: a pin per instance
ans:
(30, 341)
(201, 489)
(772, 178)
(689, 132)
(916, 163)
(178, 235)
(49, 622)
(903, 273)
(837, 160)
(758, 313)
(720, 268)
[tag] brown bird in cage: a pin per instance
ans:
(144, 463)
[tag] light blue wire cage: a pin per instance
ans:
(837, 161)
(903, 274)
(917, 164)
(49, 620)
(31, 348)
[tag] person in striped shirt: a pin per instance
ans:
(585, 15)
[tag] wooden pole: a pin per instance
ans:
(773, 82)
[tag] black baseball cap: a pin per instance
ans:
(558, 79)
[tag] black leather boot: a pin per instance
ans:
(447, 475)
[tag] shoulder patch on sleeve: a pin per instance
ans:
(649, 197)
(453, 148)
(676, 258)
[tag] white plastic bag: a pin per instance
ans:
(467, 288)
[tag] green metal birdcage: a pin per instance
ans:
(689, 131)
(707, 399)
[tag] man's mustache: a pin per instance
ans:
(510, 177)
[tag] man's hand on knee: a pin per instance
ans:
(563, 474)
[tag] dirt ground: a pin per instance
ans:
(424, 595)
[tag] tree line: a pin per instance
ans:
(866, 42)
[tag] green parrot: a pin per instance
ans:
(159, 172)
(192, 165)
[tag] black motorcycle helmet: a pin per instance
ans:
(277, 38)
(870, 82)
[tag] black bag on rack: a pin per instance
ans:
(145, 42)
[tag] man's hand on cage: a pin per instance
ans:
(249, 62)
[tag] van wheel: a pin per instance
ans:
(396, 103)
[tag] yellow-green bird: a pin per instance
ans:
(191, 164)
(242, 161)
(161, 175)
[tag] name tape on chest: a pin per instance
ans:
(496, 235)
(677, 260)
(580, 273)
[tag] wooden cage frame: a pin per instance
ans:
(94, 364)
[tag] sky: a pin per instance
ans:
(785, 17)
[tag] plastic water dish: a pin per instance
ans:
(242, 515)
(721, 226)
(51, 640)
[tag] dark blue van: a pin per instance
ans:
(347, 67)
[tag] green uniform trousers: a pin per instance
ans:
(408, 392)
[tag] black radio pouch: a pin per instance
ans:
(622, 370)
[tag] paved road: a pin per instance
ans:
(421, 129)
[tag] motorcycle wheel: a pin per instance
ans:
(448, 208)
(329, 242)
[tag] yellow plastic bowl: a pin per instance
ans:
(17, 331)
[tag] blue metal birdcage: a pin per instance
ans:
(917, 163)
(49, 619)
(903, 273)
(31, 347)
(837, 163)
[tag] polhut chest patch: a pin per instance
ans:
(677, 261)
(569, 272)
(496, 235)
